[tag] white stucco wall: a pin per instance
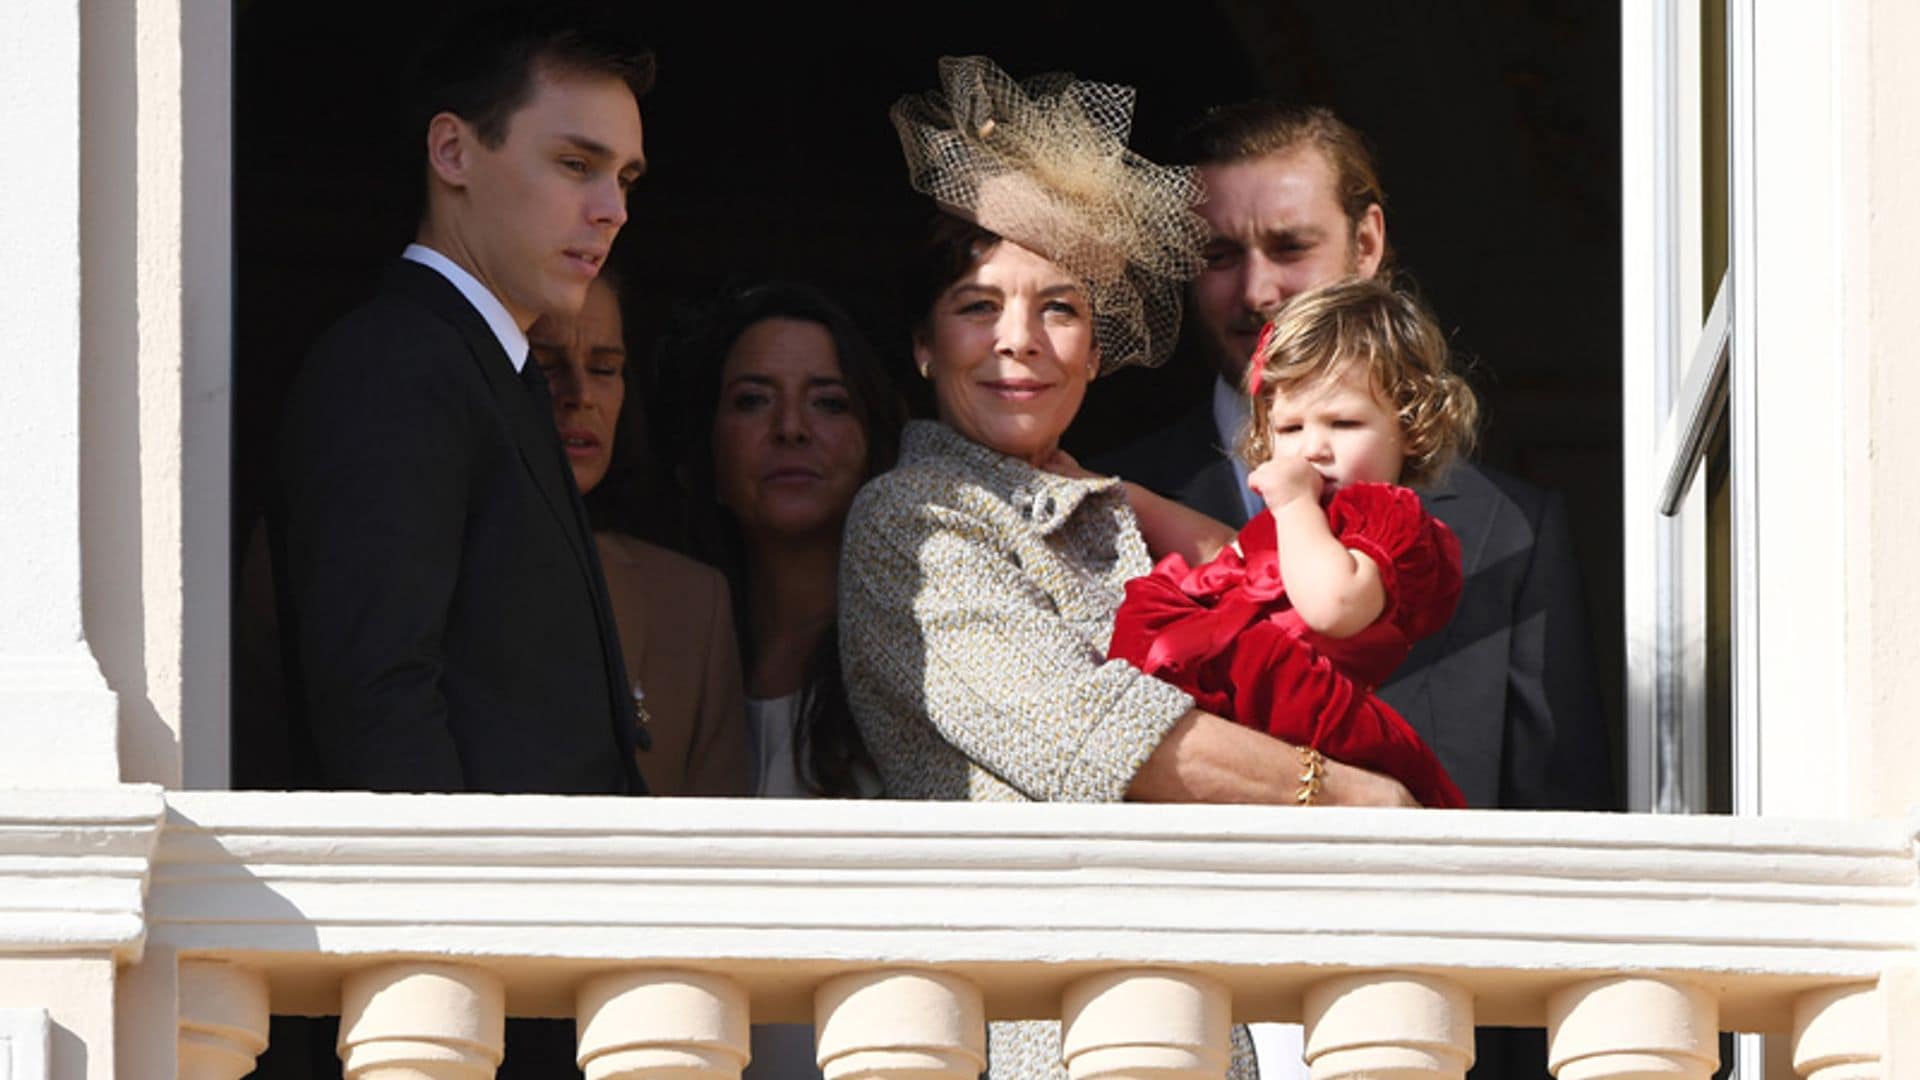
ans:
(57, 716)
(1882, 739)
(1789, 248)
(155, 92)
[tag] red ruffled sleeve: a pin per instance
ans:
(1418, 556)
(1224, 633)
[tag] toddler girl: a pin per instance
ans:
(1291, 628)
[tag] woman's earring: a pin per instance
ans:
(925, 370)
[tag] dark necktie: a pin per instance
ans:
(535, 381)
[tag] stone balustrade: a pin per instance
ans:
(664, 927)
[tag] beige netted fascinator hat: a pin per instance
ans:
(1045, 164)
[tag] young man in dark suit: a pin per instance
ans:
(448, 619)
(1505, 694)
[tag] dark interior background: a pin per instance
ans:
(1496, 127)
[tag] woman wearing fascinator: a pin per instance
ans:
(980, 577)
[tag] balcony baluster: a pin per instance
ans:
(1838, 1032)
(223, 1019)
(900, 1025)
(1168, 1025)
(1633, 1029)
(1388, 1026)
(422, 1022)
(662, 1025)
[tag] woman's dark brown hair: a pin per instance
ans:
(951, 248)
(827, 747)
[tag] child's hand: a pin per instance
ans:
(1062, 464)
(1282, 480)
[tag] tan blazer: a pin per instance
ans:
(676, 633)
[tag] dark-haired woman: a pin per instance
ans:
(978, 587)
(793, 414)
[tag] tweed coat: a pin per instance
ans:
(976, 601)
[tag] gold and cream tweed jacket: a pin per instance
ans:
(977, 596)
(976, 600)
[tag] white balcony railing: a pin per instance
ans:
(664, 926)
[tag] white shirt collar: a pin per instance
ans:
(1231, 413)
(513, 341)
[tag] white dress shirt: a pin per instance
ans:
(513, 340)
(1231, 414)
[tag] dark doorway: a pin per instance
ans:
(1497, 128)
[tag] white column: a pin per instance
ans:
(1388, 1026)
(223, 1019)
(662, 1025)
(899, 1025)
(422, 1022)
(1839, 1033)
(1632, 1029)
(26, 1044)
(58, 719)
(1169, 1025)
(74, 994)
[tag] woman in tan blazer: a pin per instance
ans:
(674, 615)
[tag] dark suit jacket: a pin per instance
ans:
(1506, 694)
(1516, 648)
(443, 599)
(1184, 462)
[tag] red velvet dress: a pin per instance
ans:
(1226, 633)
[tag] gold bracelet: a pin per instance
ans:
(1313, 769)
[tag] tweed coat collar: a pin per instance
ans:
(1046, 499)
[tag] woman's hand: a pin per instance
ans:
(1282, 480)
(1206, 759)
(1350, 785)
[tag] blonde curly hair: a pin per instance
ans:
(1403, 350)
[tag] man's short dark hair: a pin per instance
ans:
(481, 65)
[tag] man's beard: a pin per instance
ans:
(1230, 357)
(1233, 368)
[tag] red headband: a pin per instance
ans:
(1257, 362)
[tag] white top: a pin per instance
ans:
(1231, 413)
(770, 738)
(513, 340)
(770, 724)
(779, 1051)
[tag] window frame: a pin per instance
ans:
(1772, 343)
(206, 238)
